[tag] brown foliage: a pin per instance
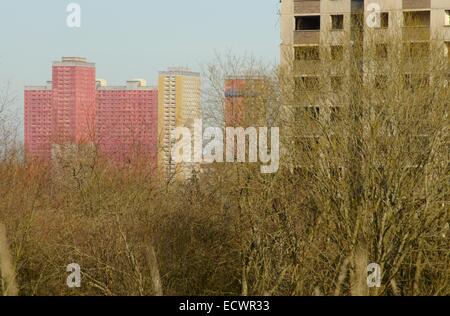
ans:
(363, 179)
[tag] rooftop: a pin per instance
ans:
(73, 61)
(179, 71)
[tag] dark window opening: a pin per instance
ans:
(307, 23)
(337, 52)
(336, 83)
(335, 114)
(414, 81)
(313, 111)
(381, 82)
(337, 22)
(414, 50)
(384, 20)
(308, 83)
(447, 44)
(416, 19)
(307, 53)
(381, 50)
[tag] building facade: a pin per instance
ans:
(315, 33)
(63, 112)
(322, 33)
(73, 101)
(235, 92)
(245, 100)
(77, 110)
(178, 106)
(38, 121)
(126, 121)
(307, 25)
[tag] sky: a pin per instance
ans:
(131, 38)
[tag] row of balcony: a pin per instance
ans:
(313, 6)
(409, 33)
(416, 26)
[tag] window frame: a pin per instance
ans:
(340, 22)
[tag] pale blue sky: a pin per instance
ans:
(131, 38)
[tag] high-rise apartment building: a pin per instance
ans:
(324, 33)
(63, 112)
(178, 106)
(307, 25)
(126, 121)
(75, 109)
(235, 91)
(38, 121)
(244, 100)
(320, 37)
(73, 104)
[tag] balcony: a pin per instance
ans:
(416, 33)
(416, 4)
(307, 67)
(306, 6)
(416, 25)
(307, 37)
(307, 30)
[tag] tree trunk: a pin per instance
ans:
(7, 271)
(154, 270)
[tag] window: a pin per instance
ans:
(414, 81)
(420, 49)
(337, 52)
(307, 23)
(447, 18)
(418, 144)
(307, 53)
(384, 20)
(381, 51)
(308, 83)
(311, 83)
(416, 18)
(313, 111)
(337, 22)
(447, 45)
(416, 50)
(380, 81)
(336, 83)
(334, 114)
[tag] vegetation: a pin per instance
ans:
(364, 178)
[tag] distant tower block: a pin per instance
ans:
(178, 106)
